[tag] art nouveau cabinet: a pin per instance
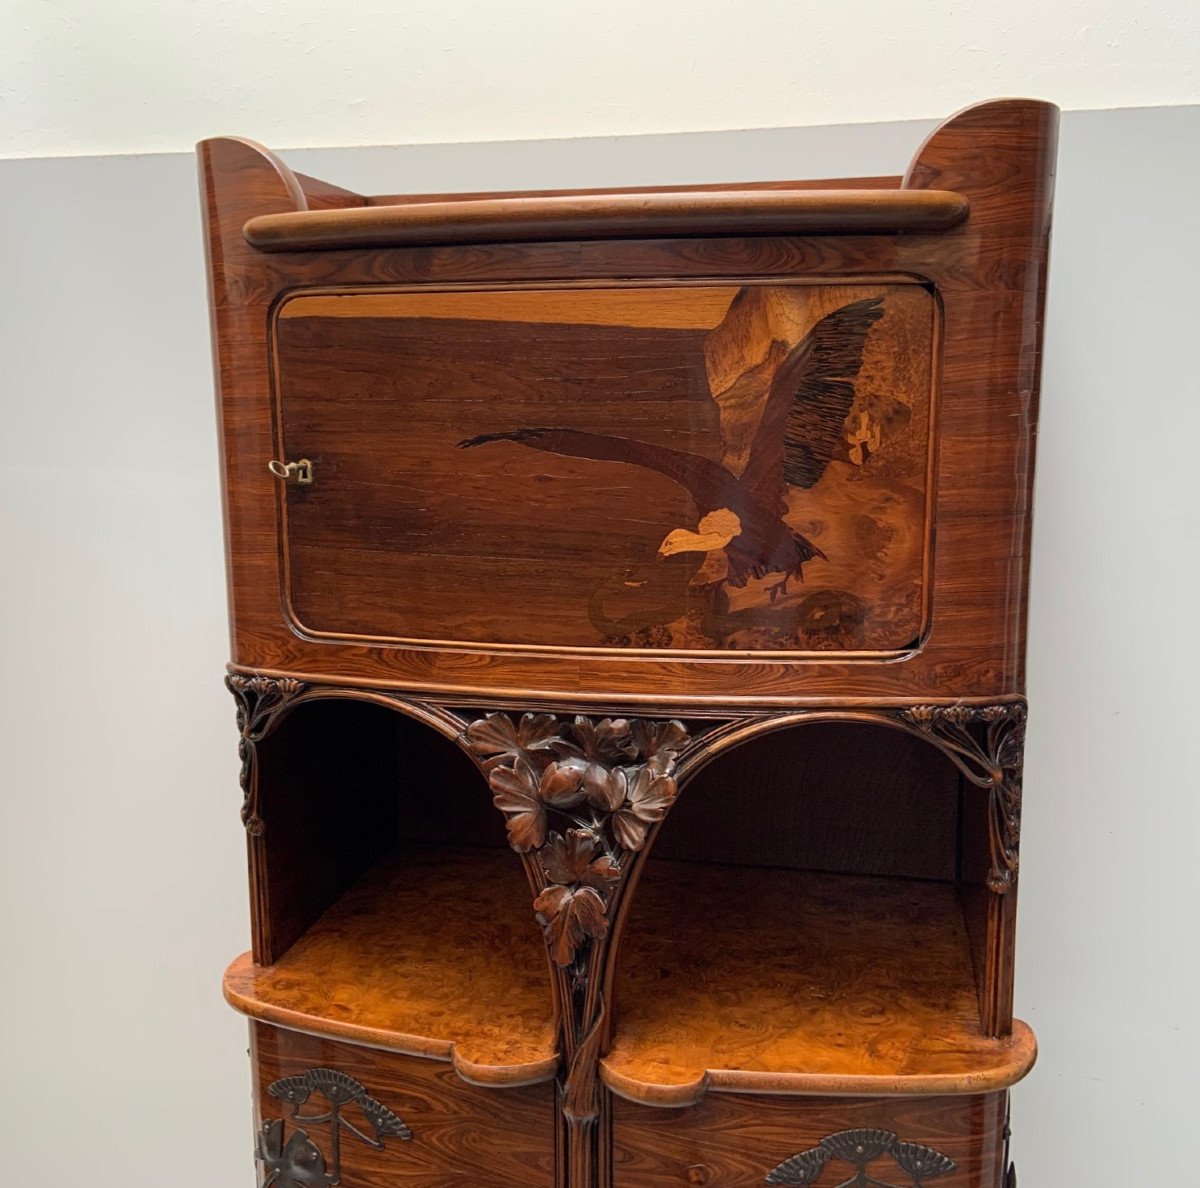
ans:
(628, 606)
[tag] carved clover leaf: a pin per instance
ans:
(658, 743)
(572, 859)
(605, 786)
(496, 735)
(567, 915)
(605, 742)
(516, 793)
(649, 796)
(574, 905)
(595, 753)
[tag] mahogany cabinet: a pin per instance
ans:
(627, 593)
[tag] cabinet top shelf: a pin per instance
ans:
(610, 215)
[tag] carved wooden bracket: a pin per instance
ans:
(580, 796)
(987, 744)
(260, 702)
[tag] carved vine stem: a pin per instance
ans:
(260, 703)
(987, 744)
(580, 797)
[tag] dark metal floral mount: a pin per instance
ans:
(859, 1148)
(299, 1163)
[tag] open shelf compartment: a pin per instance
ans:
(389, 910)
(804, 925)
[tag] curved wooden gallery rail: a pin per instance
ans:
(583, 799)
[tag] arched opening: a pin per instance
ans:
(388, 908)
(808, 915)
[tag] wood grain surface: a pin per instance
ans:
(435, 953)
(733, 1142)
(834, 796)
(461, 1134)
(988, 273)
(791, 981)
(402, 535)
(612, 215)
(554, 471)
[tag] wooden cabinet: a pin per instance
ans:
(628, 611)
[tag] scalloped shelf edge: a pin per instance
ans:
(1022, 1046)
(511, 1076)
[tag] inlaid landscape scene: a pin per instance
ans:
(684, 468)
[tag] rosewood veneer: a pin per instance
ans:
(627, 593)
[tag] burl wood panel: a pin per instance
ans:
(460, 1134)
(793, 981)
(988, 274)
(607, 540)
(734, 1142)
(434, 952)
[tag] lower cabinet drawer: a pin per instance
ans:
(835, 1142)
(329, 1113)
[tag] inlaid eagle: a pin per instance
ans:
(807, 403)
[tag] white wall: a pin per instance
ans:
(128, 76)
(122, 882)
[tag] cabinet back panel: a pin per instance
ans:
(857, 799)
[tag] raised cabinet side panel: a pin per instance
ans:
(445, 1131)
(737, 1142)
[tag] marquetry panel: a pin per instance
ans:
(709, 467)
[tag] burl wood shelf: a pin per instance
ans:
(777, 981)
(409, 960)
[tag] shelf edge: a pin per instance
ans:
(1022, 1046)
(474, 1072)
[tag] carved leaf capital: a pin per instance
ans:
(578, 793)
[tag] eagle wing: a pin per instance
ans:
(807, 404)
(710, 485)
